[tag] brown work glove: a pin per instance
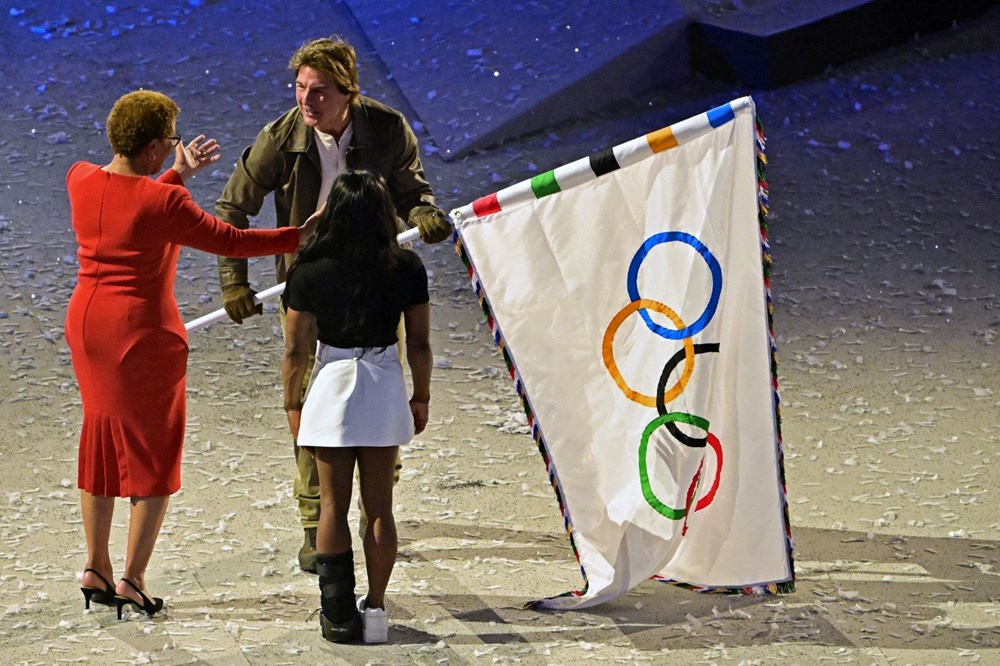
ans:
(432, 222)
(238, 301)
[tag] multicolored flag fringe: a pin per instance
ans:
(629, 292)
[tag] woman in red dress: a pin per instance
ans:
(128, 343)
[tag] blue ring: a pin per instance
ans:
(713, 266)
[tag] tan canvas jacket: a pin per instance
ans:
(284, 160)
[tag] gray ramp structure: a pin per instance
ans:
(477, 72)
(772, 43)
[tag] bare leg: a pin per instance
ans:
(377, 465)
(97, 513)
(335, 468)
(145, 520)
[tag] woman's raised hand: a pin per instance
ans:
(195, 156)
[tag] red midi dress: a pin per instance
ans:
(124, 330)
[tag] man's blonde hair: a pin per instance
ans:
(331, 56)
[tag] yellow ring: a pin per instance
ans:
(608, 352)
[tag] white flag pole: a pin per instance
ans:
(407, 236)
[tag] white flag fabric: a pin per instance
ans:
(628, 291)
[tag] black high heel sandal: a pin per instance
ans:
(150, 606)
(105, 597)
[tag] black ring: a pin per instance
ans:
(661, 385)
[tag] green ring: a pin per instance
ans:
(647, 490)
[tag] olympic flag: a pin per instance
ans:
(629, 292)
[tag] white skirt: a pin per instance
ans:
(356, 399)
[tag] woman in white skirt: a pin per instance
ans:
(352, 282)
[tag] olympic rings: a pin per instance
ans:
(647, 489)
(670, 419)
(713, 266)
(607, 350)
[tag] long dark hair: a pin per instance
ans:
(358, 230)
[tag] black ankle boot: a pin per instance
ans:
(339, 621)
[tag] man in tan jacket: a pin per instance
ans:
(296, 157)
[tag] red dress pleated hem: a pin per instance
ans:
(107, 456)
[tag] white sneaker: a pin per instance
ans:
(374, 623)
